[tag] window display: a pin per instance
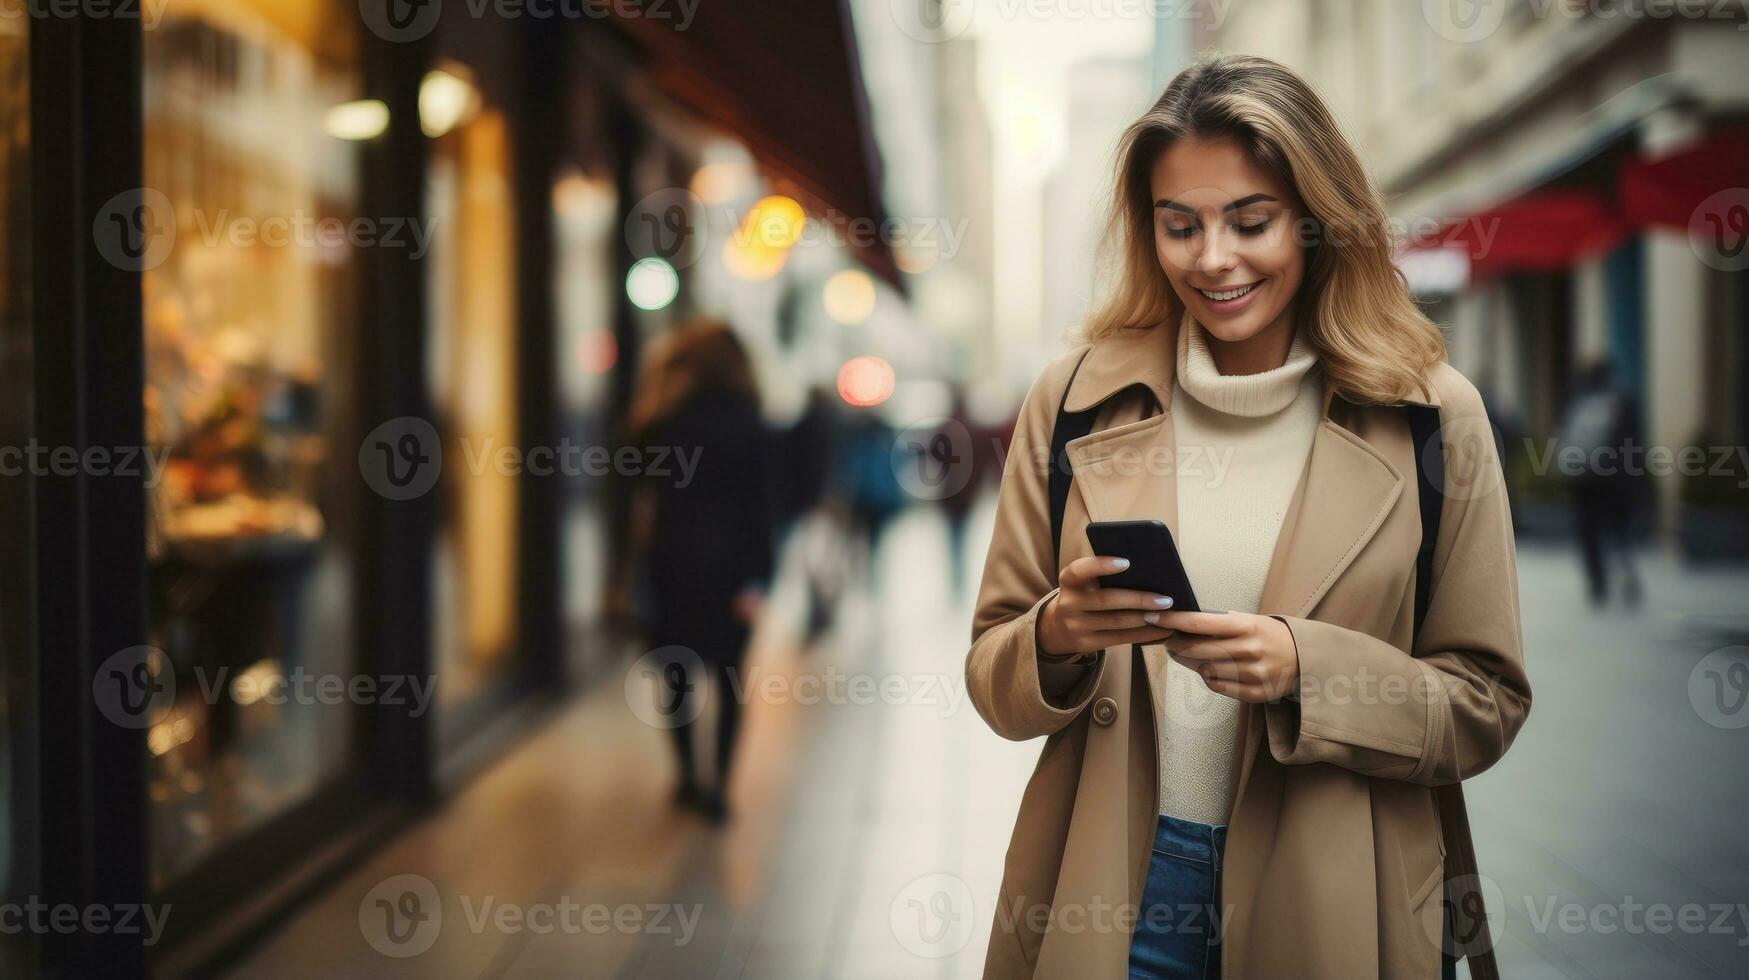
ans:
(250, 330)
(471, 373)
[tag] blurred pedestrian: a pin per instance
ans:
(966, 477)
(702, 531)
(1601, 427)
(1274, 775)
(867, 478)
(814, 514)
(1508, 443)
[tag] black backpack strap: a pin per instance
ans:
(1068, 426)
(1454, 817)
(1430, 479)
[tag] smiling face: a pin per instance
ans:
(1223, 235)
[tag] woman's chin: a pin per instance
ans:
(1231, 330)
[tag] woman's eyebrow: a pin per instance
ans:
(1241, 202)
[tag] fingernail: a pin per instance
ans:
(1120, 563)
(1150, 618)
(1164, 601)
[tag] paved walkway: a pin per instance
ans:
(872, 810)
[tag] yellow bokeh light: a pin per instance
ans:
(446, 100)
(775, 222)
(760, 247)
(361, 120)
(849, 296)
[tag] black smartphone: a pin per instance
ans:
(1154, 562)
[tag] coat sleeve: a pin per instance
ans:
(1017, 694)
(1451, 710)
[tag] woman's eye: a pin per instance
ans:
(1255, 228)
(1184, 232)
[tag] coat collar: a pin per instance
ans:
(1148, 356)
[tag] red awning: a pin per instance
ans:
(1542, 230)
(786, 79)
(1667, 190)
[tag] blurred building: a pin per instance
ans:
(1545, 164)
(964, 250)
(1105, 96)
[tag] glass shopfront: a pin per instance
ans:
(471, 376)
(256, 323)
(15, 393)
(586, 216)
(251, 129)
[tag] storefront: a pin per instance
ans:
(1627, 254)
(251, 248)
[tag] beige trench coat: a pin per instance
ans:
(1334, 855)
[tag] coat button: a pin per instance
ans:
(1105, 711)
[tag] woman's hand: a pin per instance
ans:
(1083, 618)
(1244, 656)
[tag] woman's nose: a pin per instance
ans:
(1217, 252)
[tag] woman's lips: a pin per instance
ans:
(1235, 304)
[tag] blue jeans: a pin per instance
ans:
(1178, 932)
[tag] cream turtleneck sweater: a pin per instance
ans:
(1243, 441)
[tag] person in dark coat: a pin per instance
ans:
(1601, 427)
(703, 532)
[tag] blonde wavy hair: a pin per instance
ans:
(1373, 341)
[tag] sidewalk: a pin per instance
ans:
(841, 804)
(1620, 794)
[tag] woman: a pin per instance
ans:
(1261, 791)
(703, 538)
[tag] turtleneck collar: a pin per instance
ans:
(1250, 395)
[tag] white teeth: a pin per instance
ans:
(1229, 294)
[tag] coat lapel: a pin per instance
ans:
(1119, 483)
(1343, 496)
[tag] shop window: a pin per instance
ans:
(15, 398)
(471, 374)
(251, 325)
